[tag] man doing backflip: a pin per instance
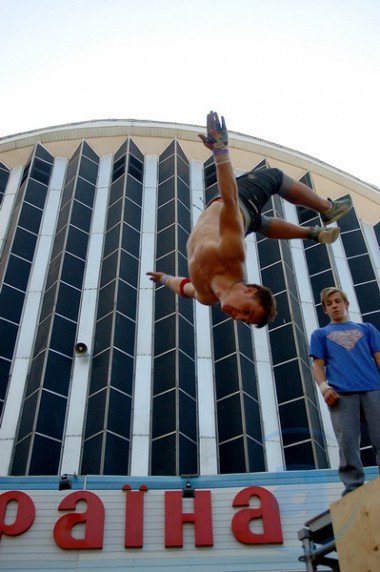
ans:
(216, 247)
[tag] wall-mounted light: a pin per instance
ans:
(188, 491)
(65, 483)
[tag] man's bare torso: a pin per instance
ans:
(207, 265)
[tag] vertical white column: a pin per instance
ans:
(265, 379)
(311, 323)
(8, 202)
(205, 382)
(373, 248)
(140, 442)
(28, 326)
(72, 441)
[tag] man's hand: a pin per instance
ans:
(156, 276)
(217, 134)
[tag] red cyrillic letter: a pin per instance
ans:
(201, 517)
(25, 515)
(134, 517)
(93, 518)
(268, 511)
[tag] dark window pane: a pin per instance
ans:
(187, 416)
(63, 336)
(8, 334)
(68, 301)
(91, 461)
(24, 244)
(11, 303)
(122, 371)
(35, 194)
(132, 215)
(30, 218)
(354, 243)
(131, 240)
(232, 457)
(106, 299)
(119, 416)
(224, 339)
(294, 423)
(252, 419)
(226, 376)
(77, 242)
(368, 297)
(88, 170)
(269, 252)
(186, 374)
(361, 269)
(51, 417)
(188, 457)
(318, 263)
(126, 299)
(164, 372)
(45, 457)
(164, 456)
(134, 190)
(73, 270)
(164, 414)
(288, 381)
(229, 418)
(81, 216)
(166, 191)
(124, 334)
(116, 458)
(41, 171)
(85, 192)
(57, 374)
(299, 457)
(95, 421)
(165, 343)
(17, 274)
(282, 344)
(28, 416)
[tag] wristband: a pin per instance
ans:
(164, 278)
(221, 155)
(324, 386)
(182, 286)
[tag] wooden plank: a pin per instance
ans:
(356, 524)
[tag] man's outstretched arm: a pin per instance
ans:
(231, 223)
(178, 284)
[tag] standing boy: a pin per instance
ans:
(346, 364)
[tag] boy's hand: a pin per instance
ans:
(217, 134)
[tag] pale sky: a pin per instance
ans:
(304, 74)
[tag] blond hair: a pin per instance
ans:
(326, 292)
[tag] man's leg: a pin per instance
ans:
(281, 229)
(345, 418)
(371, 409)
(298, 193)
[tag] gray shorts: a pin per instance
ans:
(254, 189)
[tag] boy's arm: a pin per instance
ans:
(231, 225)
(177, 284)
(329, 394)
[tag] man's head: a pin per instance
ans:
(250, 303)
(335, 304)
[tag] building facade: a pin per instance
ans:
(101, 372)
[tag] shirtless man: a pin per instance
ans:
(216, 247)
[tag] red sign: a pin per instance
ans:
(93, 517)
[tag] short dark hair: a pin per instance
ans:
(268, 302)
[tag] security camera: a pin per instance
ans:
(80, 348)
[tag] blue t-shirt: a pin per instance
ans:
(347, 350)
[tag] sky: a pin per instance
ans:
(304, 74)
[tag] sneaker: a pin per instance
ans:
(338, 209)
(324, 235)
